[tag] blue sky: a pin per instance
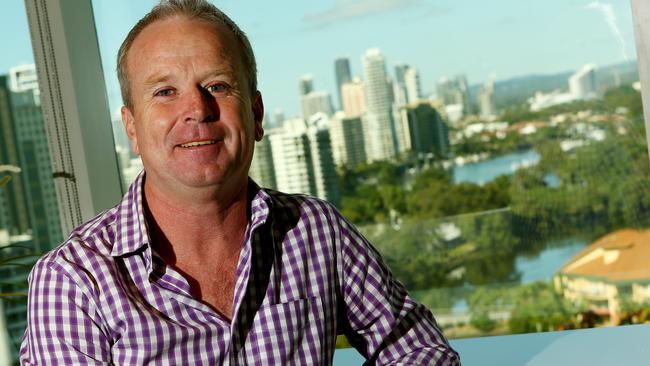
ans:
(499, 38)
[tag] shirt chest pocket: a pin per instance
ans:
(289, 333)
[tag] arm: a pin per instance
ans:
(383, 322)
(63, 324)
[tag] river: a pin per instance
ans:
(557, 252)
(551, 259)
(484, 171)
(541, 267)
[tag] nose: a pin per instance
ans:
(201, 106)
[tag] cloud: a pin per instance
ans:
(610, 17)
(345, 10)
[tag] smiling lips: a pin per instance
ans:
(198, 143)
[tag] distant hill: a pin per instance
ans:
(518, 90)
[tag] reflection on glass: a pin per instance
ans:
(514, 204)
(29, 216)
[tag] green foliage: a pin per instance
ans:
(433, 195)
(550, 156)
(482, 322)
(476, 145)
(370, 191)
(625, 96)
(539, 308)
(603, 186)
(533, 307)
(484, 299)
(439, 299)
(522, 112)
(15, 257)
(491, 232)
(364, 205)
(414, 254)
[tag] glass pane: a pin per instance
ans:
(494, 152)
(29, 214)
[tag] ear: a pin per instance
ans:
(258, 115)
(129, 126)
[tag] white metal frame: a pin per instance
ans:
(641, 19)
(75, 108)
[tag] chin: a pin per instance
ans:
(212, 178)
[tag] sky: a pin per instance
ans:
(496, 39)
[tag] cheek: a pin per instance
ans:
(155, 127)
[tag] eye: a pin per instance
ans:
(164, 92)
(217, 88)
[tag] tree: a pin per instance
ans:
(539, 308)
(482, 322)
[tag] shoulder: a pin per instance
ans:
(313, 220)
(91, 247)
(304, 208)
(85, 251)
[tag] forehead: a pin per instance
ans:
(182, 38)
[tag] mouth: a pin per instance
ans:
(198, 143)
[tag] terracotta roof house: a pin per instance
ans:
(615, 267)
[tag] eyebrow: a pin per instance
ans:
(159, 78)
(156, 79)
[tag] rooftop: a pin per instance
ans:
(619, 256)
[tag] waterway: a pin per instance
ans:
(541, 267)
(549, 261)
(484, 171)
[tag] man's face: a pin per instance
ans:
(194, 119)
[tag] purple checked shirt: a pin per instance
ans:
(304, 275)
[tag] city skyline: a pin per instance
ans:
(483, 41)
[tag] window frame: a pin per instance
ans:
(641, 20)
(75, 108)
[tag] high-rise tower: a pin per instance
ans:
(380, 132)
(354, 98)
(412, 84)
(346, 134)
(424, 130)
(343, 76)
(305, 85)
(316, 102)
(34, 158)
(29, 213)
(486, 100)
(583, 84)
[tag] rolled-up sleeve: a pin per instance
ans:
(63, 324)
(386, 325)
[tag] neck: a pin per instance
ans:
(203, 223)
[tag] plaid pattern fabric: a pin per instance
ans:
(304, 275)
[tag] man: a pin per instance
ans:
(197, 265)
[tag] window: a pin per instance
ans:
(29, 213)
(504, 145)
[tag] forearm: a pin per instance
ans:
(410, 337)
(384, 323)
(416, 340)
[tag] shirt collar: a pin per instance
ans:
(131, 226)
(260, 204)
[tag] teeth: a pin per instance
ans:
(198, 143)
